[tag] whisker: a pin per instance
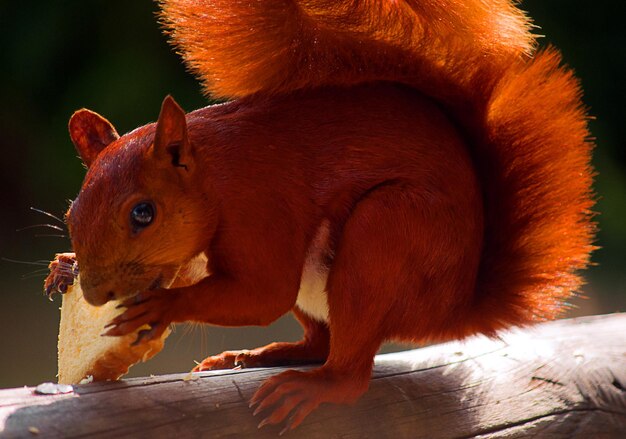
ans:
(183, 334)
(51, 235)
(188, 329)
(25, 262)
(32, 275)
(43, 212)
(36, 273)
(204, 340)
(39, 270)
(52, 226)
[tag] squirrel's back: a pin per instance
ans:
(520, 114)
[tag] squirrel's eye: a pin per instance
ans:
(142, 215)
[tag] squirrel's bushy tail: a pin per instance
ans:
(534, 160)
(522, 116)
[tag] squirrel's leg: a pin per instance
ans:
(367, 280)
(313, 348)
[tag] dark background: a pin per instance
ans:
(110, 56)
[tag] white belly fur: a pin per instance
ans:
(193, 272)
(312, 296)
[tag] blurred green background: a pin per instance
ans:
(110, 56)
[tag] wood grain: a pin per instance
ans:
(564, 379)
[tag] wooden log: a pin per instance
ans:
(564, 379)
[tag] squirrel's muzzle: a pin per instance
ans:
(97, 292)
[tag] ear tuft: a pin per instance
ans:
(90, 134)
(170, 140)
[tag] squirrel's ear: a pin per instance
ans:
(170, 140)
(90, 134)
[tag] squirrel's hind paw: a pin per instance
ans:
(292, 395)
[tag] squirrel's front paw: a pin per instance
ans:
(153, 308)
(63, 271)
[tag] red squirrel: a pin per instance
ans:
(408, 170)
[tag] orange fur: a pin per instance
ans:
(450, 163)
(523, 116)
(240, 48)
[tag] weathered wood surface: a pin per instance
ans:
(564, 379)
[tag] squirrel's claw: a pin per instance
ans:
(152, 308)
(229, 360)
(289, 397)
(63, 271)
(153, 333)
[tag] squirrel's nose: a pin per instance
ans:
(96, 293)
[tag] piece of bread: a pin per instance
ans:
(83, 353)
